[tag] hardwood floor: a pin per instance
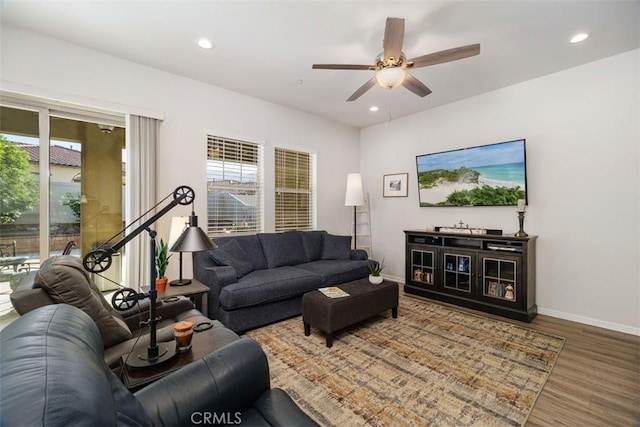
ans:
(596, 379)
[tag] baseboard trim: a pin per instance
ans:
(568, 316)
(590, 321)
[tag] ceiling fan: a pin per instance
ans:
(391, 65)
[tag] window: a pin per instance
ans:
(234, 186)
(295, 190)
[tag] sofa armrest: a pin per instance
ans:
(214, 276)
(359, 254)
(227, 380)
(164, 309)
(26, 300)
(279, 409)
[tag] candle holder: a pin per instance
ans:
(521, 232)
(183, 333)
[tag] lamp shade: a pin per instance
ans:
(391, 77)
(193, 239)
(178, 225)
(354, 195)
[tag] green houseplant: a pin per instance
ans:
(375, 268)
(162, 261)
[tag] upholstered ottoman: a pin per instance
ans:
(364, 300)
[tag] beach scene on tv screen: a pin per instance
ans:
(490, 175)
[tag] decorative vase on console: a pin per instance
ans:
(375, 268)
(162, 261)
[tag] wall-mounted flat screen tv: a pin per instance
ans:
(488, 175)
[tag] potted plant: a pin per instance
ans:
(375, 268)
(162, 261)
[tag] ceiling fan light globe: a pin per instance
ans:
(391, 77)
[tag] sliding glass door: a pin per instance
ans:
(70, 203)
(20, 192)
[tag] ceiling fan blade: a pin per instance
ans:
(393, 38)
(416, 86)
(342, 67)
(444, 56)
(365, 87)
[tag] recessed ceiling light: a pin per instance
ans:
(299, 81)
(579, 37)
(374, 108)
(205, 44)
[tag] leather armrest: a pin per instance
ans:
(26, 298)
(141, 307)
(229, 379)
(164, 309)
(170, 309)
(279, 409)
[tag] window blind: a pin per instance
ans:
(234, 186)
(294, 190)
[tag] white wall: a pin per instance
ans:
(581, 127)
(47, 67)
(582, 131)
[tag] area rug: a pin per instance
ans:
(433, 365)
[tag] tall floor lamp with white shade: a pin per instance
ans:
(354, 196)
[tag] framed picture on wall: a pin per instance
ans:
(395, 185)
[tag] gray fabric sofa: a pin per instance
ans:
(259, 279)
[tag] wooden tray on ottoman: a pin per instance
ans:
(364, 300)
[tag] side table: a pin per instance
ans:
(196, 290)
(202, 344)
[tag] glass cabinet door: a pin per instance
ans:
(458, 271)
(422, 267)
(499, 279)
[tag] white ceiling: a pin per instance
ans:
(265, 48)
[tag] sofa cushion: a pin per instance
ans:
(264, 286)
(336, 247)
(282, 249)
(251, 245)
(312, 242)
(232, 254)
(67, 282)
(335, 272)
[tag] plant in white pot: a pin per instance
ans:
(375, 268)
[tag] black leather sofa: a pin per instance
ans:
(52, 373)
(63, 280)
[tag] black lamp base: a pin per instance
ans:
(141, 358)
(181, 282)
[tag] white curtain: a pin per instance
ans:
(142, 137)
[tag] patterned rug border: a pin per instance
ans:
(480, 316)
(310, 402)
(471, 313)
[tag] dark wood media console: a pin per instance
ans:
(491, 273)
